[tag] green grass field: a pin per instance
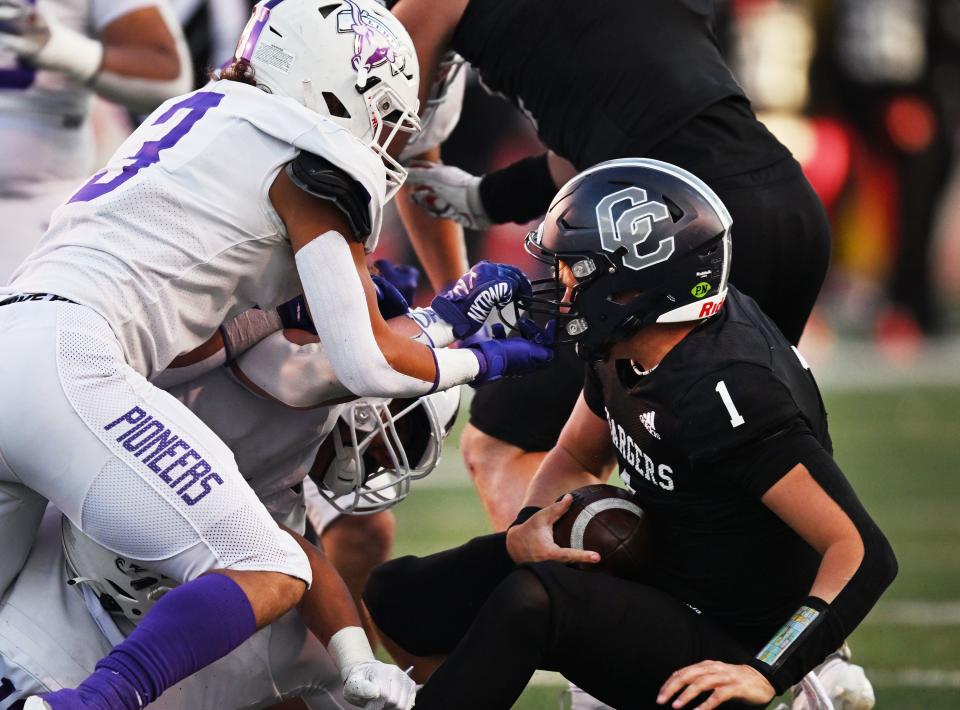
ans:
(901, 450)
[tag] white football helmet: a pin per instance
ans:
(123, 587)
(380, 446)
(349, 60)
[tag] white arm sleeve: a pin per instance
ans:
(337, 301)
(298, 376)
(144, 95)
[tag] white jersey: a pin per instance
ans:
(44, 129)
(275, 446)
(177, 235)
(52, 635)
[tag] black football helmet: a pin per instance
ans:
(646, 241)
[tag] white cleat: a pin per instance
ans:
(36, 703)
(846, 685)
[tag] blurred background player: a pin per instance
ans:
(55, 55)
(211, 28)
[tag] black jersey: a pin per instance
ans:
(729, 411)
(613, 79)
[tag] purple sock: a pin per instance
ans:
(189, 628)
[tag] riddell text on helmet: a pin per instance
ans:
(711, 308)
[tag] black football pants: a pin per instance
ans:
(618, 640)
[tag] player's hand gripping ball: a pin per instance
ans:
(607, 520)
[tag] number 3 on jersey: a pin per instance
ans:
(735, 417)
(197, 106)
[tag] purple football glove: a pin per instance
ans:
(294, 314)
(403, 277)
(509, 357)
(389, 299)
(536, 334)
(466, 305)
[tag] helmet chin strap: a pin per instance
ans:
(345, 472)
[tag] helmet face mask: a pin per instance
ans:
(379, 447)
(639, 242)
(348, 60)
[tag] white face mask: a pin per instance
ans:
(349, 486)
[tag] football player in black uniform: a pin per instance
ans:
(605, 80)
(763, 558)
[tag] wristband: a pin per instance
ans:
(525, 514)
(248, 329)
(348, 647)
(455, 367)
(70, 52)
(787, 640)
(518, 193)
(437, 333)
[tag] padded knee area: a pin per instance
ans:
(426, 604)
(522, 604)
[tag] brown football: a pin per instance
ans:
(607, 520)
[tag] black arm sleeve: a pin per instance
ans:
(817, 629)
(321, 178)
(519, 192)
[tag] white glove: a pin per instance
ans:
(45, 43)
(448, 192)
(373, 685)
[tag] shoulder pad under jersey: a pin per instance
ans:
(734, 408)
(321, 178)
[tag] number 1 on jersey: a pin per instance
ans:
(735, 418)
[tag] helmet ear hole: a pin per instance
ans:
(676, 214)
(335, 106)
(624, 297)
(327, 9)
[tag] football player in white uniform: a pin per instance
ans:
(51, 635)
(266, 183)
(54, 56)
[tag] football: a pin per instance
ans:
(607, 519)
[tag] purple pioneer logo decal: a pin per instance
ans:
(374, 43)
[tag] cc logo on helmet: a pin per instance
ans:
(632, 227)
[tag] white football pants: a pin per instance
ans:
(50, 639)
(127, 463)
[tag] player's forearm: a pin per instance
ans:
(559, 473)
(159, 63)
(438, 243)
(142, 44)
(857, 565)
(838, 565)
(326, 607)
(519, 192)
(145, 60)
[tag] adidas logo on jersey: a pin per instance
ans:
(647, 421)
